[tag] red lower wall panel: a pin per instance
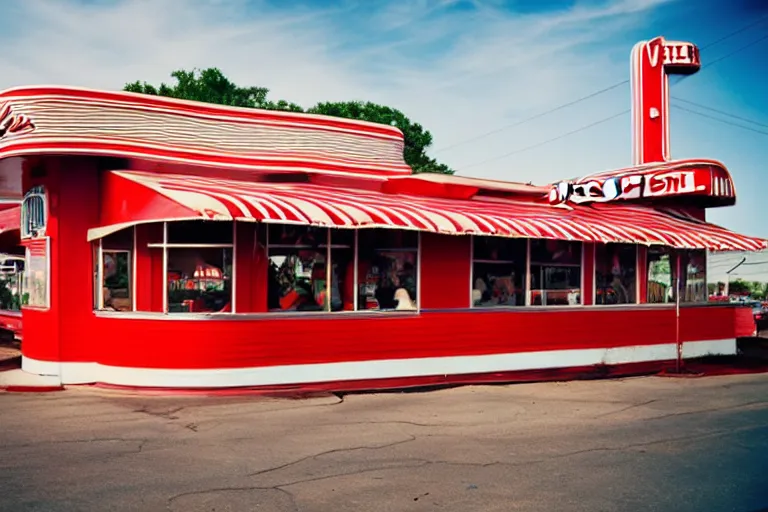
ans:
(170, 343)
(744, 322)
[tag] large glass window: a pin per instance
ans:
(615, 274)
(661, 276)
(113, 289)
(199, 267)
(498, 271)
(694, 266)
(555, 272)
(298, 266)
(11, 281)
(387, 270)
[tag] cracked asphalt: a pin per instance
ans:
(653, 443)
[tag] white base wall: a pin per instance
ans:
(88, 373)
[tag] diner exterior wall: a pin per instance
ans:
(70, 332)
(63, 331)
(174, 352)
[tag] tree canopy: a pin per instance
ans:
(212, 86)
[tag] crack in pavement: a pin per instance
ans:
(704, 411)
(213, 490)
(423, 462)
(627, 408)
(329, 452)
(75, 441)
(400, 422)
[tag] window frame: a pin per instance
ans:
(98, 284)
(637, 275)
(580, 264)
(674, 267)
(164, 245)
(526, 273)
(685, 253)
(329, 246)
(35, 201)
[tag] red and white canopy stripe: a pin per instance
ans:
(303, 203)
(10, 218)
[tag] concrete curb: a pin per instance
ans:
(18, 380)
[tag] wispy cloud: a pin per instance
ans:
(459, 67)
(456, 65)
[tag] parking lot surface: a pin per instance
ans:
(667, 444)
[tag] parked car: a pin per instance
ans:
(760, 314)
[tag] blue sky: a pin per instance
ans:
(462, 68)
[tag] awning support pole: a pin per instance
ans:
(678, 342)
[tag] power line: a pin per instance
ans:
(553, 139)
(586, 127)
(736, 32)
(690, 111)
(726, 56)
(721, 112)
(591, 95)
(534, 117)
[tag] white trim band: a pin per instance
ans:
(87, 373)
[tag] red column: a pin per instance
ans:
(642, 273)
(251, 266)
(588, 273)
(149, 268)
(445, 271)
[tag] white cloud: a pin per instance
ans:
(460, 72)
(490, 61)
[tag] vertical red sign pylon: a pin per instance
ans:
(651, 64)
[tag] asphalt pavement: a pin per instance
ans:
(653, 443)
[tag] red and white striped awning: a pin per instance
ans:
(10, 218)
(133, 197)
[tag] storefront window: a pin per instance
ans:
(199, 267)
(298, 269)
(200, 280)
(113, 290)
(661, 276)
(498, 271)
(387, 270)
(555, 273)
(11, 281)
(615, 274)
(694, 285)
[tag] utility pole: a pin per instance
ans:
(728, 276)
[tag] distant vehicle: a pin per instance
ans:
(760, 314)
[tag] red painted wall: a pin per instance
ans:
(168, 343)
(642, 273)
(149, 268)
(588, 271)
(61, 332)
(445, 271)
(70, 331)
(251, 266)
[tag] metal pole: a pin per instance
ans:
(678, 342)
(233, 277)
(355, 277)
(328, 269)
(728, 276)
(165, 267)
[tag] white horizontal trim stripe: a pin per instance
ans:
(87, 373)
(204, 110)
(268, 136)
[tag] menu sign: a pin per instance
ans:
(37, 273)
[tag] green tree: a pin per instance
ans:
(212, 86)
(739, 287)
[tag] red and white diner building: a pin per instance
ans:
(174, 244)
